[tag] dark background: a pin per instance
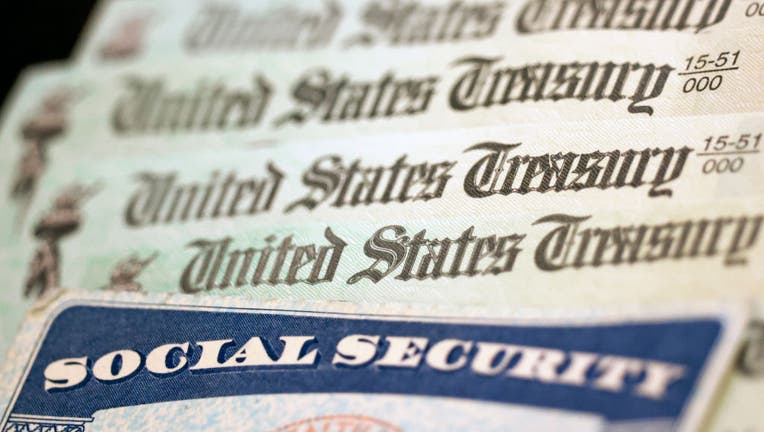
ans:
(35, 31)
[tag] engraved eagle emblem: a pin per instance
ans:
(127, 39)
(62, 219)
(125, 271)
(48, 122)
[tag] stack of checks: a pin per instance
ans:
(388, 215)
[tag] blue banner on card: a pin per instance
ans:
(101, 356)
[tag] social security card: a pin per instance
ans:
(97, 362)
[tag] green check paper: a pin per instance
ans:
(508, 160)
